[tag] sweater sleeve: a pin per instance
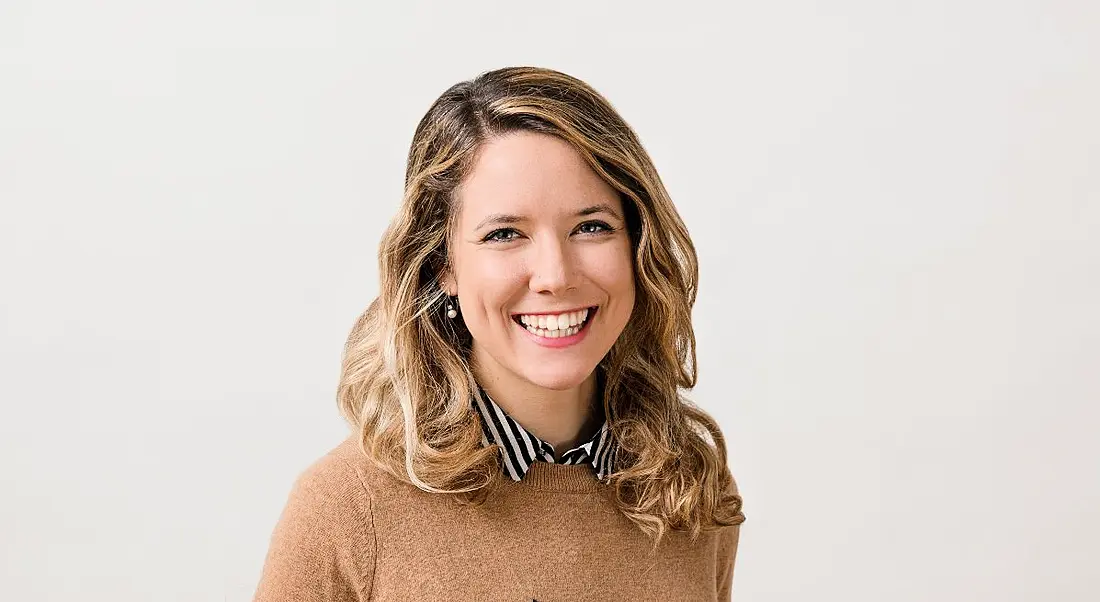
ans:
(727, 551)
(322, 548)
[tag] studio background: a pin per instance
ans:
(896, 207)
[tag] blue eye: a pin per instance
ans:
(605, 227)
(492, 236)
(601, 229)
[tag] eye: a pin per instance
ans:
(602, 227)
(492, 236)
(500, 235)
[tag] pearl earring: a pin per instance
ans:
(451, 313)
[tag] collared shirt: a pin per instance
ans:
(520, 448)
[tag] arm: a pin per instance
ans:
(727, 555)
(322, 548)
(728, 539)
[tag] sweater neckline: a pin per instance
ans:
(566, 478)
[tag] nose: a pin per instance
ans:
(552, 266)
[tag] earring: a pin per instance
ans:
(451, 313)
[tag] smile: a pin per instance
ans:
(556, 329)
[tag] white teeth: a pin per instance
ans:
(555, 326)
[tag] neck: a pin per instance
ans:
(563, 418)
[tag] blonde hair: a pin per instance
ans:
(406, 383)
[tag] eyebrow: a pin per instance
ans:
(507, 218)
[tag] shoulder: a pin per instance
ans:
(334, 481)
(338, 469)
(324, 541)
(331, 496)
(346, 485)
(733, 500)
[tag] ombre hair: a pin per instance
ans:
(406, 384)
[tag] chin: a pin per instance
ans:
(558, 380)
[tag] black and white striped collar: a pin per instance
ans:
(520, 448)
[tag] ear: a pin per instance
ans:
(447, 283)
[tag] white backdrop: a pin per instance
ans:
(896, 207)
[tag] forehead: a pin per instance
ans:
(533, 175)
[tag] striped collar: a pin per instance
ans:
(520, 448)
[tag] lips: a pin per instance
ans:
(554, 335)
(556, 320)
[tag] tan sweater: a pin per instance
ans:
(352, 532)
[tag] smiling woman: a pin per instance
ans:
(568, 250)
(518, 430)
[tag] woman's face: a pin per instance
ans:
(539, 234)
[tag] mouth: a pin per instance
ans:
(556, 325)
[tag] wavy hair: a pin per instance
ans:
(406, 383)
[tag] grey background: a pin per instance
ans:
(895, 206)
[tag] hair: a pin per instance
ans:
(406, 384)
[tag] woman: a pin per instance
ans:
(514, 389)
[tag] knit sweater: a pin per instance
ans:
(351, 532)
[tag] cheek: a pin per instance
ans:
(613, 268)
(491, 284)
